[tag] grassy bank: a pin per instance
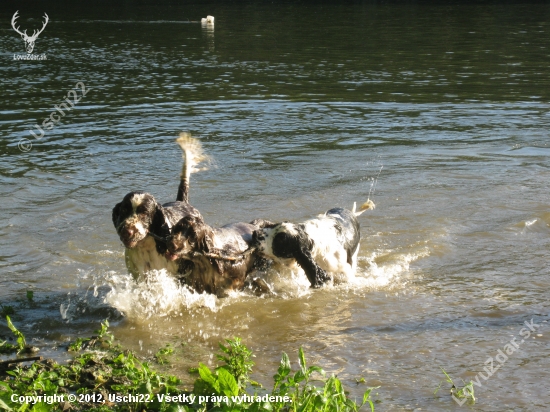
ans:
(103, 376)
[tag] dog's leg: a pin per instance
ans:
(130, 264)
(353, 262)
(317, 276)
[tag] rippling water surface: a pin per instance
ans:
(439, 114)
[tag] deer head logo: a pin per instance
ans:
(29, 40)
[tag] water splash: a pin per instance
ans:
(161, 295)
(64, 308)
(287, 282)
(374, 180)
(158, 295)
(373, 274)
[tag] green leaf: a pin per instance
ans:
(20, 337)
(145, 387)
(205, 374)
(224, 348)
(284, 367)
(40, 407)
(317, 369)
(228, 384)
(209, 378)
(299, 376)
(4, 405)
(302, 359)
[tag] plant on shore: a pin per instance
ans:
(238, 361)
(102, 338)
(113, 370)
(21, 346)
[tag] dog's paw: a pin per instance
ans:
(321, 277)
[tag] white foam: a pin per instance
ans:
(530, 222)
(287, 282)
(159, 294)
(373, 275)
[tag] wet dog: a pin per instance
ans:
(323, 247)
(143, 224)
(222, 258)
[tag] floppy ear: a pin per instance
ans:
(160, 229)
(116, 214)
(202, 234)
(159, 225)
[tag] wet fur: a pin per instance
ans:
(143, 224)
(220, 256)
(323, 247)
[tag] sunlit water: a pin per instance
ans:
(439, 114)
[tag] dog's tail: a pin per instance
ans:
(368, 205)
(193, 156)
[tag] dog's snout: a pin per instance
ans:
(170, 245)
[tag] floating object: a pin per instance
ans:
(208, 20)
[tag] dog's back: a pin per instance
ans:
(347, 225)
(234, 237)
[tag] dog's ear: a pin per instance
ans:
(160, 229)
(202, 234)
(158, 225)
(316, 276)
(116, 214)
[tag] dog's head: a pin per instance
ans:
(187, 236)
(278, 240)
(134, 216)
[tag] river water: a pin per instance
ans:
(439, 114)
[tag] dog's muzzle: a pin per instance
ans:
(130, 237)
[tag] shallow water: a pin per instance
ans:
(439, 114)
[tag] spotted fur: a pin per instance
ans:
(143, 224)
(323, 247)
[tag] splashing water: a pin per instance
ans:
(377, 276)
(161, 295)
(64, 308)
(158, 295)
(287, 282)
(374, 180)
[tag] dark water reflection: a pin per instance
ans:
(302, 107)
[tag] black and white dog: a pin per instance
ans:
(143, 224)
(323, 247)
(222, 258)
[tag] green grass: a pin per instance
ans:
(106, 368)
